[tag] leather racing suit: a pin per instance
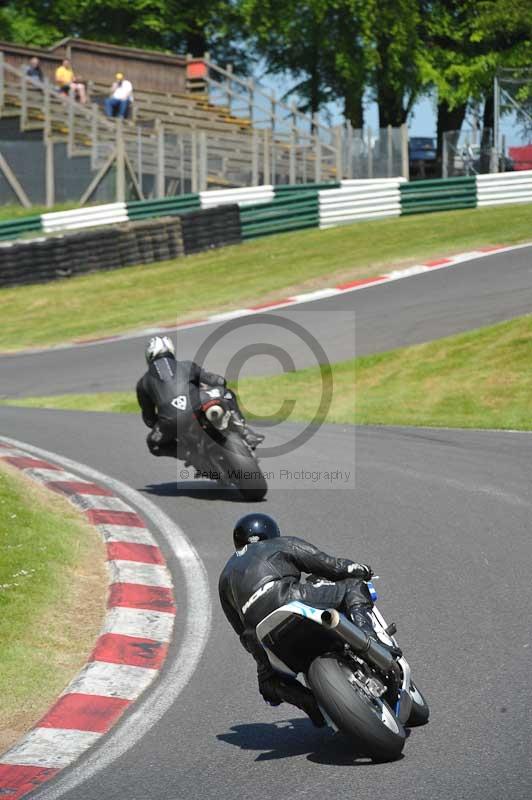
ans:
(266, 575)
(168, 394)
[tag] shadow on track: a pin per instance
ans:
(199, 490)
(294, 737)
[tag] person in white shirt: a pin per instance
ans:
(118, 102)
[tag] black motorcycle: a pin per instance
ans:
(217, 450)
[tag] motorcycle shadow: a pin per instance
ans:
(294, 737)
(197, 490)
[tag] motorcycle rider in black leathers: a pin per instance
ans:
(168, 394)
(265, 573)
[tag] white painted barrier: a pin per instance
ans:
(244, 196)
(504, 187)
(359, 200)
(90, 217)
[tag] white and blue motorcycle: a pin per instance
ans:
(364, 689)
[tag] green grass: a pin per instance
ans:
(52, 590)
(256, 271)
(479, 379)
(16, 212)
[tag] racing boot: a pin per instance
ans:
(252, 438)
(297, 695)
(361, 616)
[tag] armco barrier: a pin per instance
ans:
(504, 187)
(13, 228)
(305, 187)
(246, 196)
(359, 200)
(438, 195)
(163, 207)
(91, 217)
(290, 212)
(211, 227)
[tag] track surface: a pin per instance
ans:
(443, 516)
(409, 311)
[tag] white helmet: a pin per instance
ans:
(159, 346)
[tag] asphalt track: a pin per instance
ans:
(443, 516)
(413, 310)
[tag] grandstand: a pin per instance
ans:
(194, 125)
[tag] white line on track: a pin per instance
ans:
(178, 671)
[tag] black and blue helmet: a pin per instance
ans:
(254, 527)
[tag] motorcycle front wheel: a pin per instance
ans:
(368, 721)
(242, 469)
(419, 715)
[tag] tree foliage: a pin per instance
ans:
(349, 50)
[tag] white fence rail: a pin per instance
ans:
(91, 217)
(504, 187)
(358, 200)
(245, 196)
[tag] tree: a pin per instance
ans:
(195, 26)
(396, 77)
(467, 42)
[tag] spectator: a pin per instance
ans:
(66, 82)
(34, 70)
(118, 102)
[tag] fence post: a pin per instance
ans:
(405, 165)
(202, 161)
(349, 154)
(160, 178)
(193, 161)
(251, 88)
(254, 158)
(317, 148)
(120, 163)
(229, 69)
(71, 122)
(24, 103)
(338, 141)
(94, 136)
(445, 158)
(389, 168)
(266, 157)
(139, 154)
(370, 153)
(49, 175)
(2, 82)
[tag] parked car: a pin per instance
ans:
(422, 156)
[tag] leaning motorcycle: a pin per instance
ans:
(364, 690)
(218, 451)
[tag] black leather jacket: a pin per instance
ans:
(167, 379)
(281, 561)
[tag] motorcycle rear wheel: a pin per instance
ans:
(369, 722)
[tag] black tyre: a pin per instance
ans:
(369, 722)
(243, 470)
(419, 715)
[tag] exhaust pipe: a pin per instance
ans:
(361, 643)
(215, 415)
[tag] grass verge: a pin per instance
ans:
(256, 271)
(12, 211)
(479, 379)
(52, 599)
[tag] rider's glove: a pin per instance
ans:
(362, 571)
